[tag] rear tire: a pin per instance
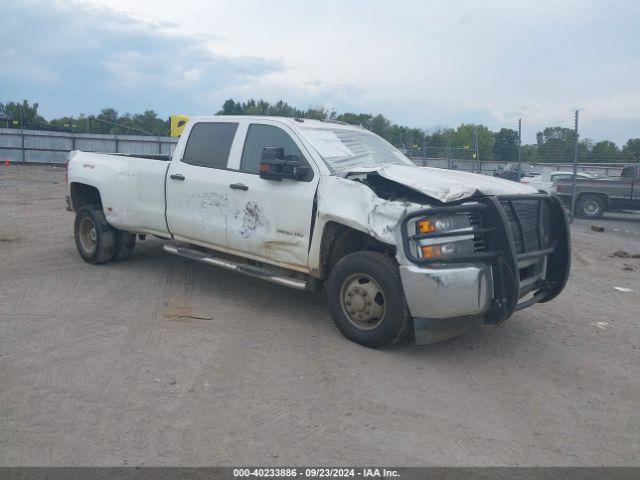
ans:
(126, 243)
(366, 299)
(95, 238)
(590, 206)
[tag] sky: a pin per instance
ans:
(426, 64)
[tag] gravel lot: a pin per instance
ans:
(163, 361)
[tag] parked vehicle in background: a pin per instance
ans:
(596, 196)
(510, 171)
(545, 181)
(309, 204)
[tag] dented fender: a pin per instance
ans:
(355, 205)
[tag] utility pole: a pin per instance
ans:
(475, 137)
(449, 149)
(575, 170)
(22, 131)
(424, 148)
(519, 148)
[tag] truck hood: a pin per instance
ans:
(446, 185)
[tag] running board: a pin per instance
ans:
(235, 267)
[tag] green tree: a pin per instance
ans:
(465, 135)
(150, 122)
(278, 109)
(63, 123)
(108, 116)
(317, 113)
(631, 150)
(230, 107)
(363, 119)
(438, 139)
(556, 144)
(585, 148)
(15, 112)
(380, 126)
(530, 154)
(506, 145)
(605, 151)
(281, 109)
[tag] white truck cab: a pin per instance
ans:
(315, 204)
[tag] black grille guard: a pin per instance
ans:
(501, 251)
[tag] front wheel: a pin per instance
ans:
(366, 299)
(96, 240)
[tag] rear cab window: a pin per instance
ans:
(209, 144)
(561, 177)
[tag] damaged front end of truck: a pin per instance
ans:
(471, 250)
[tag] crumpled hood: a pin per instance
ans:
(447, 185)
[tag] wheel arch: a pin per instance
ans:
(82, 194)
(339, 240)
(601, 195)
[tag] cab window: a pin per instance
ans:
(260, 136)
(209, 144)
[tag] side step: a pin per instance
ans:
(236, 267)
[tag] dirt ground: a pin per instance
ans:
(162, 361)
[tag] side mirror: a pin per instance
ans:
(274, 165)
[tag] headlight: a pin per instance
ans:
(442, 224)
(432, 241)
(448, 249)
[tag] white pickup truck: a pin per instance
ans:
(314, 204)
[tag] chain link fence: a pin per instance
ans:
(593, 178)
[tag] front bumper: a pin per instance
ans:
(448, 296)
(456, 291)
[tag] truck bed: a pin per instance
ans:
(131, 188)
(150, 156)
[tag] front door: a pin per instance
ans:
(267, 218)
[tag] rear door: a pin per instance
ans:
(267, 218)
(198, 183)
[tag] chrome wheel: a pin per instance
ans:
(362, 301)
(590, 207)
(88, 236)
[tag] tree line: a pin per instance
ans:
(108, 121)
(553, 144)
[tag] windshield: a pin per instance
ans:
(343, 149)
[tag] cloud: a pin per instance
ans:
(76, 58)
(423, 63)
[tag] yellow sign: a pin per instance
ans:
(178, 122)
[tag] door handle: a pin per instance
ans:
(239, 186)
(177, 176)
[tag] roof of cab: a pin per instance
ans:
(291, 121)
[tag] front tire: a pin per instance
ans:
(95, 239)
(366, 299)
(590, 206)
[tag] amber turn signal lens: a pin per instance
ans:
(426, 226)
(430, 251)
